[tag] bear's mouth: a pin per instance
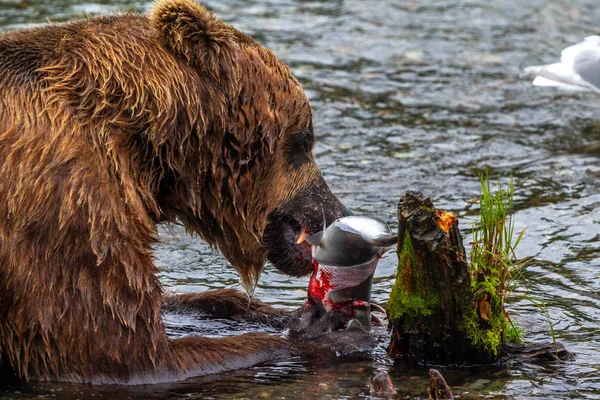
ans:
(286, 249)
(302, 214)
(294, 234)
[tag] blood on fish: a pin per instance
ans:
(321, 285)
(359, 303)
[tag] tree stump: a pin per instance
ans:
(434, 316)
(432, 300)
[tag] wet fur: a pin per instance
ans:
(108, 126)
(229, 304)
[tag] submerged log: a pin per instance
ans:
(381, 386)
(434, 316)
(438, 388)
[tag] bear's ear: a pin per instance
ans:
(191, 32)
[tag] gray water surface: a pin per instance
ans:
(412, 95)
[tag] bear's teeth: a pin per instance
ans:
(301, 237)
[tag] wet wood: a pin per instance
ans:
(438, 388)
(433, 286)
(431, 307)
(381, 386)
(536, 353)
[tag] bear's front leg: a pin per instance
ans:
(197, 356)
(228, 304)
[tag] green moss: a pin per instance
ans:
(485, 328)
(406, 305)
(488, 335)
(406, 300)
(486, 340)
(407, 277)
(514, 334)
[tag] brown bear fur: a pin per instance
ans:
(108, 126)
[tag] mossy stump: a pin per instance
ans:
(432, 302)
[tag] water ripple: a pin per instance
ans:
(414, 95)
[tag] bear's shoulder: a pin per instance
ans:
(24, 52)
(50, 37)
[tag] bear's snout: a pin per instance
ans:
(303, 214)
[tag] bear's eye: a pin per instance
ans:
(305, 140)
(299, 148)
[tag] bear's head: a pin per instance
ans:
(258, 186)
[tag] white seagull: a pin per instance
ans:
(578, 69)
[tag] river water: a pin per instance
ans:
(412, 95)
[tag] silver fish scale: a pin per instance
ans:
(351, 241)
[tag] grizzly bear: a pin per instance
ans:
(111, 125)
